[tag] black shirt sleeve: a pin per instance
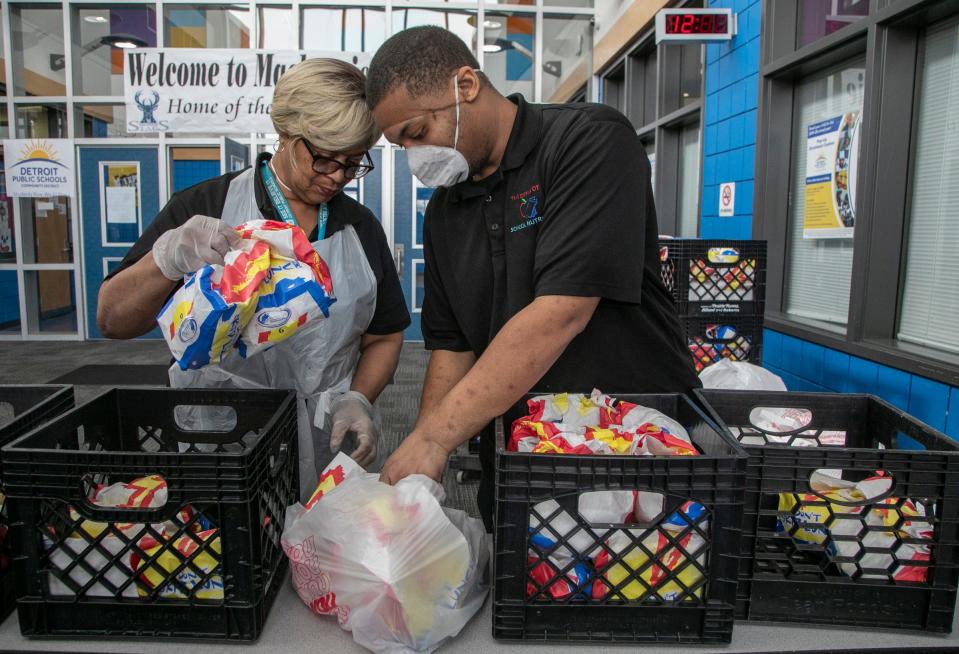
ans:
(441, 331)
(391, 314)
(591, 242)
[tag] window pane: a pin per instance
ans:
(614, 89)
(650, 146)
(98, 60)
(565, 45)
(462, 24)
(41, 121)
(650, 89)
(104, 121)
(51, 302)
(9, 300)
(8, 244)
(690, 73)
(46, 230)
(930, 298)
(818, 270)
(276, 28)
(688, 201)
(819, 18)
(37, 44)
(207, 27)
(3, 69)
(345, 29)
(567, 3)
(509, 52)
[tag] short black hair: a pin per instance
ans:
(420, 58)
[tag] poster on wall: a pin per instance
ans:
(832, 154)
(120, 201)
(225, 91)
(41, 168)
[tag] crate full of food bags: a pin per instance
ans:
(21, 409)
(153, 513)
(616, 519)
(850, 514)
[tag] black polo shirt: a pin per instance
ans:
(569, 212)
(207, 198)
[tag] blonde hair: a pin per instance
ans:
(324, 101)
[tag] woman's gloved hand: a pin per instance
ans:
(352, 412)
(199, 241)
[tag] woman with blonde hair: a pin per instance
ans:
(339, 365)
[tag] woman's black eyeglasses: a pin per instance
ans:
(327, 166)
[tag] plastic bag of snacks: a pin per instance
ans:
(841, 516)
(572, 423)
(405, 574)
(142, 493)
(262, 294)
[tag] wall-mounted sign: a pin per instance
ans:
(727, 199)
(41, 168)
(695, 25)
(224, 91)
(832, 154)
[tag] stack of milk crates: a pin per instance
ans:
(719, 287)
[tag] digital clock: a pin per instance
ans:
(695, 25)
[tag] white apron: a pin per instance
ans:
(320, 359)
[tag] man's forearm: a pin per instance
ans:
(444, 371)
(128, 303)
(508, 369)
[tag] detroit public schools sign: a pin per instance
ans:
(209, 90)
(41, 167)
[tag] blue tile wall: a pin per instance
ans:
(806, 366)
(732, 72)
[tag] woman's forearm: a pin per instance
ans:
(128, 303)
(379, 356)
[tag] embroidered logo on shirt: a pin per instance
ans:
(528, 205)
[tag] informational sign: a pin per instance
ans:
(120, 201)
(832, 153)
(40, 167)
(224, 91)
(727, 199)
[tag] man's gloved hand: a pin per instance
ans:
(199, 241)
(352, 412)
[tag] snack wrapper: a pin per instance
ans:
(573, 423)
(840, 516)
(198, 578)
(141, 493)
(261, 295)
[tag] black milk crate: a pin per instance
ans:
(21, 409)
(808, 557)
(626, 594)
(205, 564)
(714, 278)
(737, 338)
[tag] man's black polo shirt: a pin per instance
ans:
(569, 212)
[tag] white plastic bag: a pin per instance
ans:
(407, 574)
(740, 376)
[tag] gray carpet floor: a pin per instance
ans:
(39, 362)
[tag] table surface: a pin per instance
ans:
(292, 629)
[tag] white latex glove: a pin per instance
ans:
(199, 241)
(352, 412)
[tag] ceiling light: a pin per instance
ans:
(124, 41)
(96, 19)
(492, 24)
(492, 47)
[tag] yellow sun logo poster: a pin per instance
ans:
(40, 168)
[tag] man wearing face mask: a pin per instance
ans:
(338, 365)
(542, 268)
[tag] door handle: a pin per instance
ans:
(399, 252)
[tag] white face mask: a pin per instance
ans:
(436, 165)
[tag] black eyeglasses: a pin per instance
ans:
(327, 166)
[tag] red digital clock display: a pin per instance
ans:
(697, 24)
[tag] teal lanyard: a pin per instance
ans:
(283, 207)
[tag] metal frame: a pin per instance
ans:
(890, 36)
(668, 119)
(414, 301)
